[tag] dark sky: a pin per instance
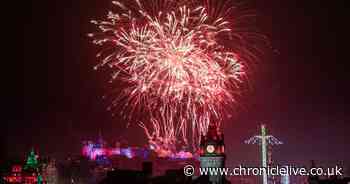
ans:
(299, 90)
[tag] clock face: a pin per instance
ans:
(210, 148)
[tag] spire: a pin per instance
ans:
(32, 161)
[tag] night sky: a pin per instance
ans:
(299, 89)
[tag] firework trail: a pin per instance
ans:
(181, 64)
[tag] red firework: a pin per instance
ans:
(183, 63)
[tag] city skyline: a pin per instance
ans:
(299, 90)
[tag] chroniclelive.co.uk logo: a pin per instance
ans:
(189, 170)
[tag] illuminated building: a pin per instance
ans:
(28, 173)
(99, 151)
(212, 152)
(19, 175)
(32, 163)
(15, 176)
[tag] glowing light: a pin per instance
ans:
(127, 152)
(264, 141)
(179, 64)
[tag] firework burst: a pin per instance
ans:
(182, 64)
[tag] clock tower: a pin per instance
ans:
(212, 152)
